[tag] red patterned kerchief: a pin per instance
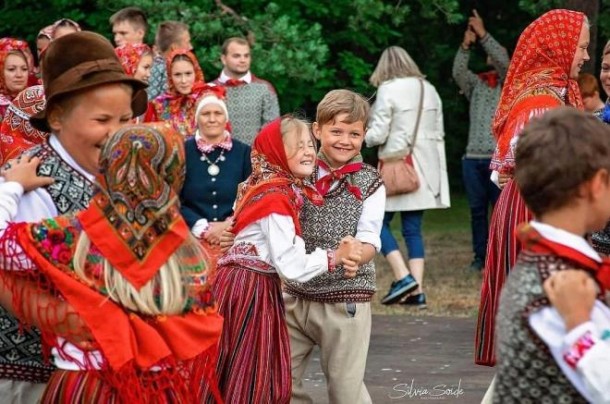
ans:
(134, 217)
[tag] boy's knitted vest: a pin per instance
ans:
(323, 227)
(526, 370)
(20, 350)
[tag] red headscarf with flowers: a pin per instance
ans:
(130, 56)
(16, 132)
(542, 59)
(174, 106)
(271, 188)
(7, 47)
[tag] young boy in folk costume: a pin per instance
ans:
(563, 173)
(254, 360)
(331, 310)
(133, 272)
(89, 97)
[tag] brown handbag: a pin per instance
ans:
(398, 174)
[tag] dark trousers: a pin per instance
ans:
(482, 193)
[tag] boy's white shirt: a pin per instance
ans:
(33, 206)
(592, 375)
(371, 219)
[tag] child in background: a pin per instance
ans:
(254, 361)
(563, 173)
(332, 310)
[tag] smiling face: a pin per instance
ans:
(86, 120)
(339, 141)
(581, 56)
(183, 76)
(300, 151)
(15, 72)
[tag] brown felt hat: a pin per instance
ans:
(82, 60)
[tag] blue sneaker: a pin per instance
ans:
(399, 289)
(417, 301)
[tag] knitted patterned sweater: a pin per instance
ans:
(251, 106)
(324, 226)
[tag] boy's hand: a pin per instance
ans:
(476, 22)
(503, 179)
(572, 292)
(23, 171)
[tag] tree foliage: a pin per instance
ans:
(307, 47)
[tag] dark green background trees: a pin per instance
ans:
(307, 47)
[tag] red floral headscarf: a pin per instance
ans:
(130, 56)
(271, 188)
(175, 107)
(543, 58)
(16, 132)
(8, 46)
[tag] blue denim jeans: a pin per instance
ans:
(482, 194)
(411, 231)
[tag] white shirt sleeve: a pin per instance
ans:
(287, 250)
(10, 195)
(595, 363)
(495, 178)
(200, 227)
(591, 377)
(11, 198)
(371, 220)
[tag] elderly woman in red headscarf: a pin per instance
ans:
(16, 132)
(542, 75)
(177, 105)
(16, 70)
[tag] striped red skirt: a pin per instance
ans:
(254, 352)
(502, 250)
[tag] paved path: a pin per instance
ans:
(417, 360)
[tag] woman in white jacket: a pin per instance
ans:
(392, 126)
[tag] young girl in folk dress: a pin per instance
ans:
(254, 359)
(131, 270)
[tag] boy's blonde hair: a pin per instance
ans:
(394, 62)
(338, 102)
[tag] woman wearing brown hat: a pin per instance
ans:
(89, 97)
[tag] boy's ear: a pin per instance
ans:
(315, 128)
(54, 118)
(599, 183)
